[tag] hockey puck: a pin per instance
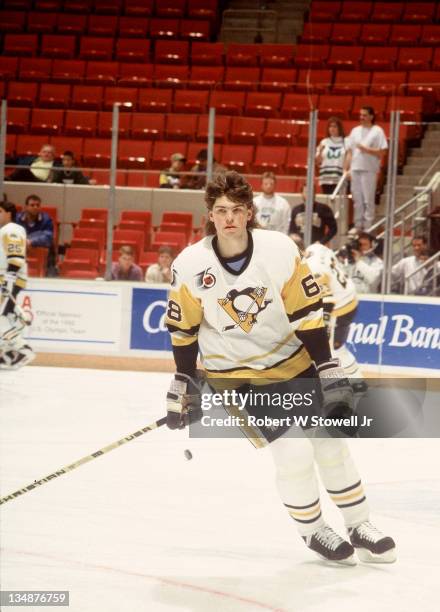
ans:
(188, 454)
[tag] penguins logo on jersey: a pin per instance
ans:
(244, 307)
(205, 279)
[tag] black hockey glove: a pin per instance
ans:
(183, 400)
(338, 401)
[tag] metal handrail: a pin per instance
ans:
(401, 207)
(434, 163)
(425, 264)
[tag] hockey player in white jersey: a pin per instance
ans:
(14, 352)
(245, 299)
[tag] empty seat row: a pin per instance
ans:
(370, 33)
(392, 12)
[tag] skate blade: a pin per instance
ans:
(368, 557)
(349, 561)
(25, 361)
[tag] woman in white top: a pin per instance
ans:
(330, 156)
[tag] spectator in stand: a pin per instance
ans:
(172, 177)
(363, 265)
(69, 174)
(273, 211)
(198, 181)
(37, 169)
(125, 269)
(38, 224)
(409, 264)
(366, 146)
(330, 156)
(160, 272)
(324, 225)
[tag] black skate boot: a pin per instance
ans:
(329, 545)
(371, 545)
(14, 360)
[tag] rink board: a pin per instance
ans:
(127, 320)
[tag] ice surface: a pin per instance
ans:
(143, 529)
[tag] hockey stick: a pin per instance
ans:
(86, 459)
(338, 186)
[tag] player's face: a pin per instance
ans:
(5, 217)
(230, 218)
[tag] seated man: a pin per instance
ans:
(69, 174)
(38, 224)
(125, 268)
(197, 176)
(172, 177)
(36, 169)
(160, 272)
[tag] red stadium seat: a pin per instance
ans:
(72, 71)
(101, 73)
(68, 143)
(139, 216)
(95, 213)
(345, 33)
(188, 101)
(296, 162)
(405, 34)
(314, 81)
(54, 95)
(163, 150)
(132, 50)
(419, 12)
(316, 33)
(410, 107)
(194, 149)
(161, 238)
(135, 75)
(430, 35)
(102, 25)
(8, 68)
(18, 5)
(102, 177)
(170, 8)
(280, 132)
(34, 69)
(36, 258)
(263, 104)
(86, 238)
(334, 105)
(95, 48)
(242, 54)
(237, 157)
(105, 120)
(239, 79)
(185, 218)
(269, 158)
(18, 120)
(181, 127)
(94, 223)
(388, 12)
(414, 58)
(107, 7)
(195, 29)
(227, 102)
(388, 82)
(221, 128)
(20, 44)
(205, 77)
(278, 79)
(348, 58)
(90, 256)
(298, 105)
(148, 125)
(58, 46)
(351, 82)
(147, 259)
(207, 54)
(358, 12)
(134, 153)
(171, 52)
(133, 238)
(139, 8)
(80, 123)
(47, 5)
(246, 130)
(133, 27)
(96, 152)
(46, 121)
(78, 6)
(87, 96)
(12, 21)
(311, 56)
(426, 84)
(377, 102)
(171, 76)
(22, 94)
(28, 145)
(164, 28)
(11, 144)
(276, 55)
(71, 24)
(324, 11)
(123, 96)
(375, 34)
(436, 59)
(379, 58)
(155, 100)
(203, 9)
(41, 23)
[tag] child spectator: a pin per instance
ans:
(160, 272)
(125, 268)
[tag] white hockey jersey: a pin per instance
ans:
(245, 322)
(332, 279)
(13, 251)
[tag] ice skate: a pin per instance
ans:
(371, 545)
(16, 359)
(329, 546)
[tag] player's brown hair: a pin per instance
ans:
(236, 188)
(10, 208)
